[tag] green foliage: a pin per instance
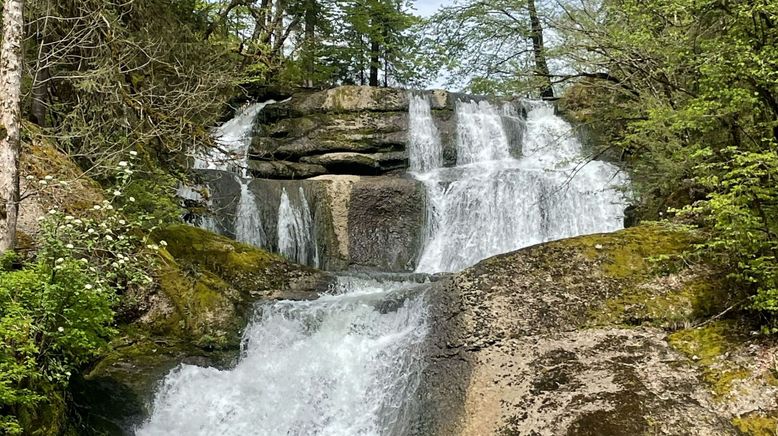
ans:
(485, 44)
(57, 312)
(106, 77)
(689, 91)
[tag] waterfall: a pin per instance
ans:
(423, 136)
(296, 234)
(233, 139)
(345, 364)
(248, 224)
(491, 203)
(480, 133)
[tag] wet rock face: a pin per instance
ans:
(359, 222)
(514, 351)
(385, 222)
(356, 130)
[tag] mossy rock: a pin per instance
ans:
(756, 424)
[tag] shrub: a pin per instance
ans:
(57, 311)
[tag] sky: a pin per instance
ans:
(426, 8)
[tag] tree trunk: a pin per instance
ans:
(375, 49)
(10, 122)
(310, 42)
(541, 67)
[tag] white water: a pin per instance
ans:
(233, 139)
(296, 235)
(341, 365)
(492, 203)
(349, 363)
(423, 136)
(248, 223)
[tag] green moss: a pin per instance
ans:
(46, 417)
(757, 425)
(707, 346)
(660, 305)
(628, 253)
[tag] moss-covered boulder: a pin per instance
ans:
(207, 285)
(571, 338)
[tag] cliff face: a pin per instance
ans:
(580, 337)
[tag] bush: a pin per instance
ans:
(57, 311)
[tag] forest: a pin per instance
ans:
(104, 103)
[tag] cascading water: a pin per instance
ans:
(342, 365)
(233, 139)
(492, 203)
(296, 235)
(248, 225)
(423, 136)
(349, 363)
(231, 155)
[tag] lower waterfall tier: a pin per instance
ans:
(345, 364)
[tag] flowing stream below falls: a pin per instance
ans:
(349, 363)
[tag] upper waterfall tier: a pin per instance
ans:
(233, 139)
(491, 202)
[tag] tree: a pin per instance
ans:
(494, 46)
(539, 51)
(689, 92)
(10, 120)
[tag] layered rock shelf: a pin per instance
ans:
(347, 130)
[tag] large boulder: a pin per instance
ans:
(542, 341)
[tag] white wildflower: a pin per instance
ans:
(163, 243)
(90, 231)
(69, 246)
(133, 153)
(108, 238)
(109, 207)
(132, 199)
(122, 222)
(96, 207)
(69, 217)
(52, 211)
(48, 178)
(123, 163)
(30, 177)
(43, 182)
(60, 329)
(78, 222)
(59, 261)
(117, 193)
(69, 226)
(87, 286)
